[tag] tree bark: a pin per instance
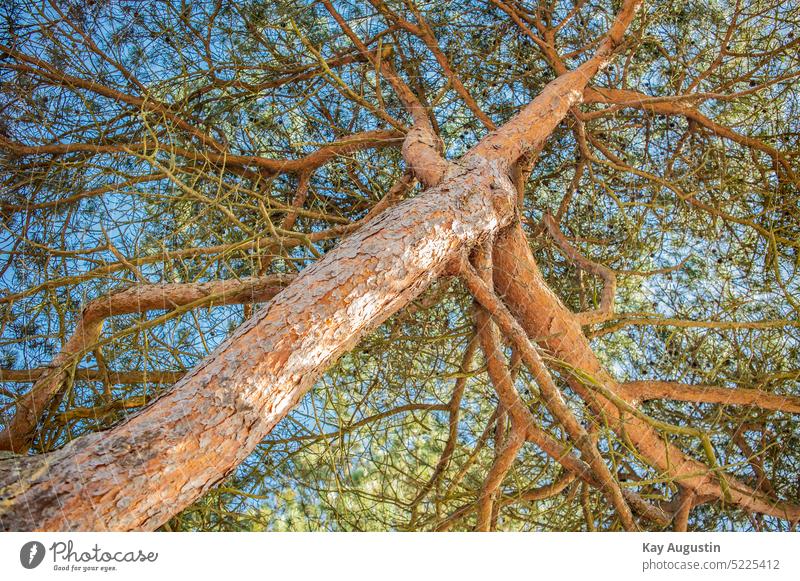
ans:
(20, 431)
(136, 475)
(546, 320)
(141, 472)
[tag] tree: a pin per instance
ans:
(521, 267)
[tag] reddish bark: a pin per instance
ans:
(144, 470)
(19, 432)
(647, 390)
(545, 319)
(139, 473)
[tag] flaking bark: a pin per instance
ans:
(138, 474)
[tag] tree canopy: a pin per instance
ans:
(199, 155)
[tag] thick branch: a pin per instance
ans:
(551, 394)
(512, 404)
(637, 100)
(20, 431)
(359, 141)
(534, 124)
(422, 147)
(649, 390)
(543, 316)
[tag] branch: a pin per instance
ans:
(520, 417)
(20, 430)
(83, 374)
(422, 147)
(356, 142)
(453, 409)
(673, 390)
(534, 124)
(606, 308)
(551, 394)
(520, 283)
(425, 33)
(635, 99)
(631, 319)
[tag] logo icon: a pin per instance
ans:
(31, 554)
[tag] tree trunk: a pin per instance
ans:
(545, 319)
(141, 472)
(138, 474)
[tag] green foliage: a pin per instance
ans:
(699, 226)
